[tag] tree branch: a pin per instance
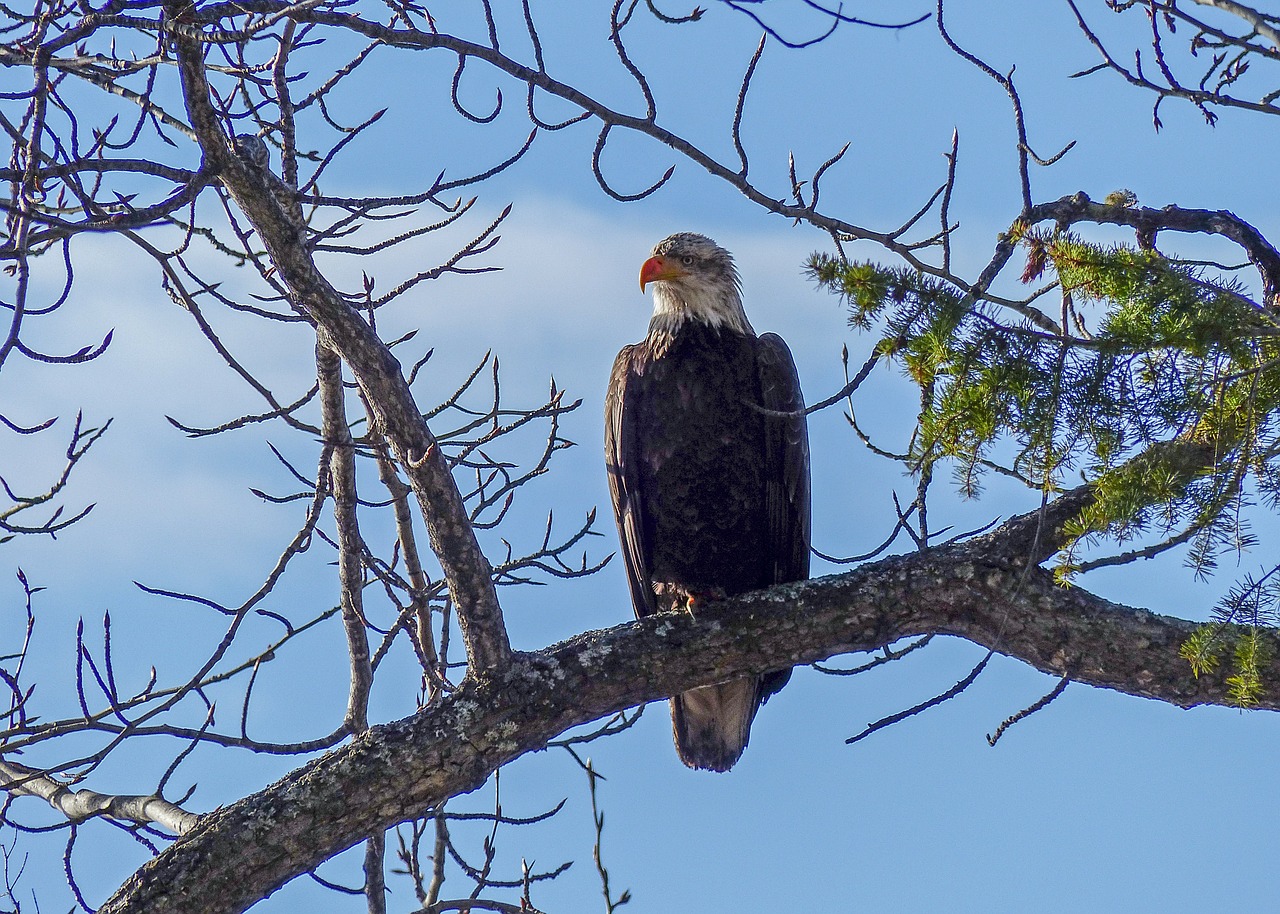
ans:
(78, 805)
(1079, 208)
(395, 772)
(377, 371)
(1034, 537)
(342, 483)
(1263, 25)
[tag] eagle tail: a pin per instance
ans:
(713, 723)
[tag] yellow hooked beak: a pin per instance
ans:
(659, 267)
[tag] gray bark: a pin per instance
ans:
(397, 771)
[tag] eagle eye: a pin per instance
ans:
(687, 260)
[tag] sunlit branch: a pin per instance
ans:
(78, 805)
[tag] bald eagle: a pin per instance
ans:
(708, 462)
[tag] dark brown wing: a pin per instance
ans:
(621, 456)
(786, 461)
(786, 473)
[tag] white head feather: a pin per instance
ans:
(705, 289)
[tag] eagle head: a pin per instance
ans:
(693, 279)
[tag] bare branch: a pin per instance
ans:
(377, 372)
(78, 805)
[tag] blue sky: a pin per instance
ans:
(1102, 802)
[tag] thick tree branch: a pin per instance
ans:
(1034, 537)
(340, 327)
(396, 771)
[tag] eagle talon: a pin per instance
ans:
(694, 599)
